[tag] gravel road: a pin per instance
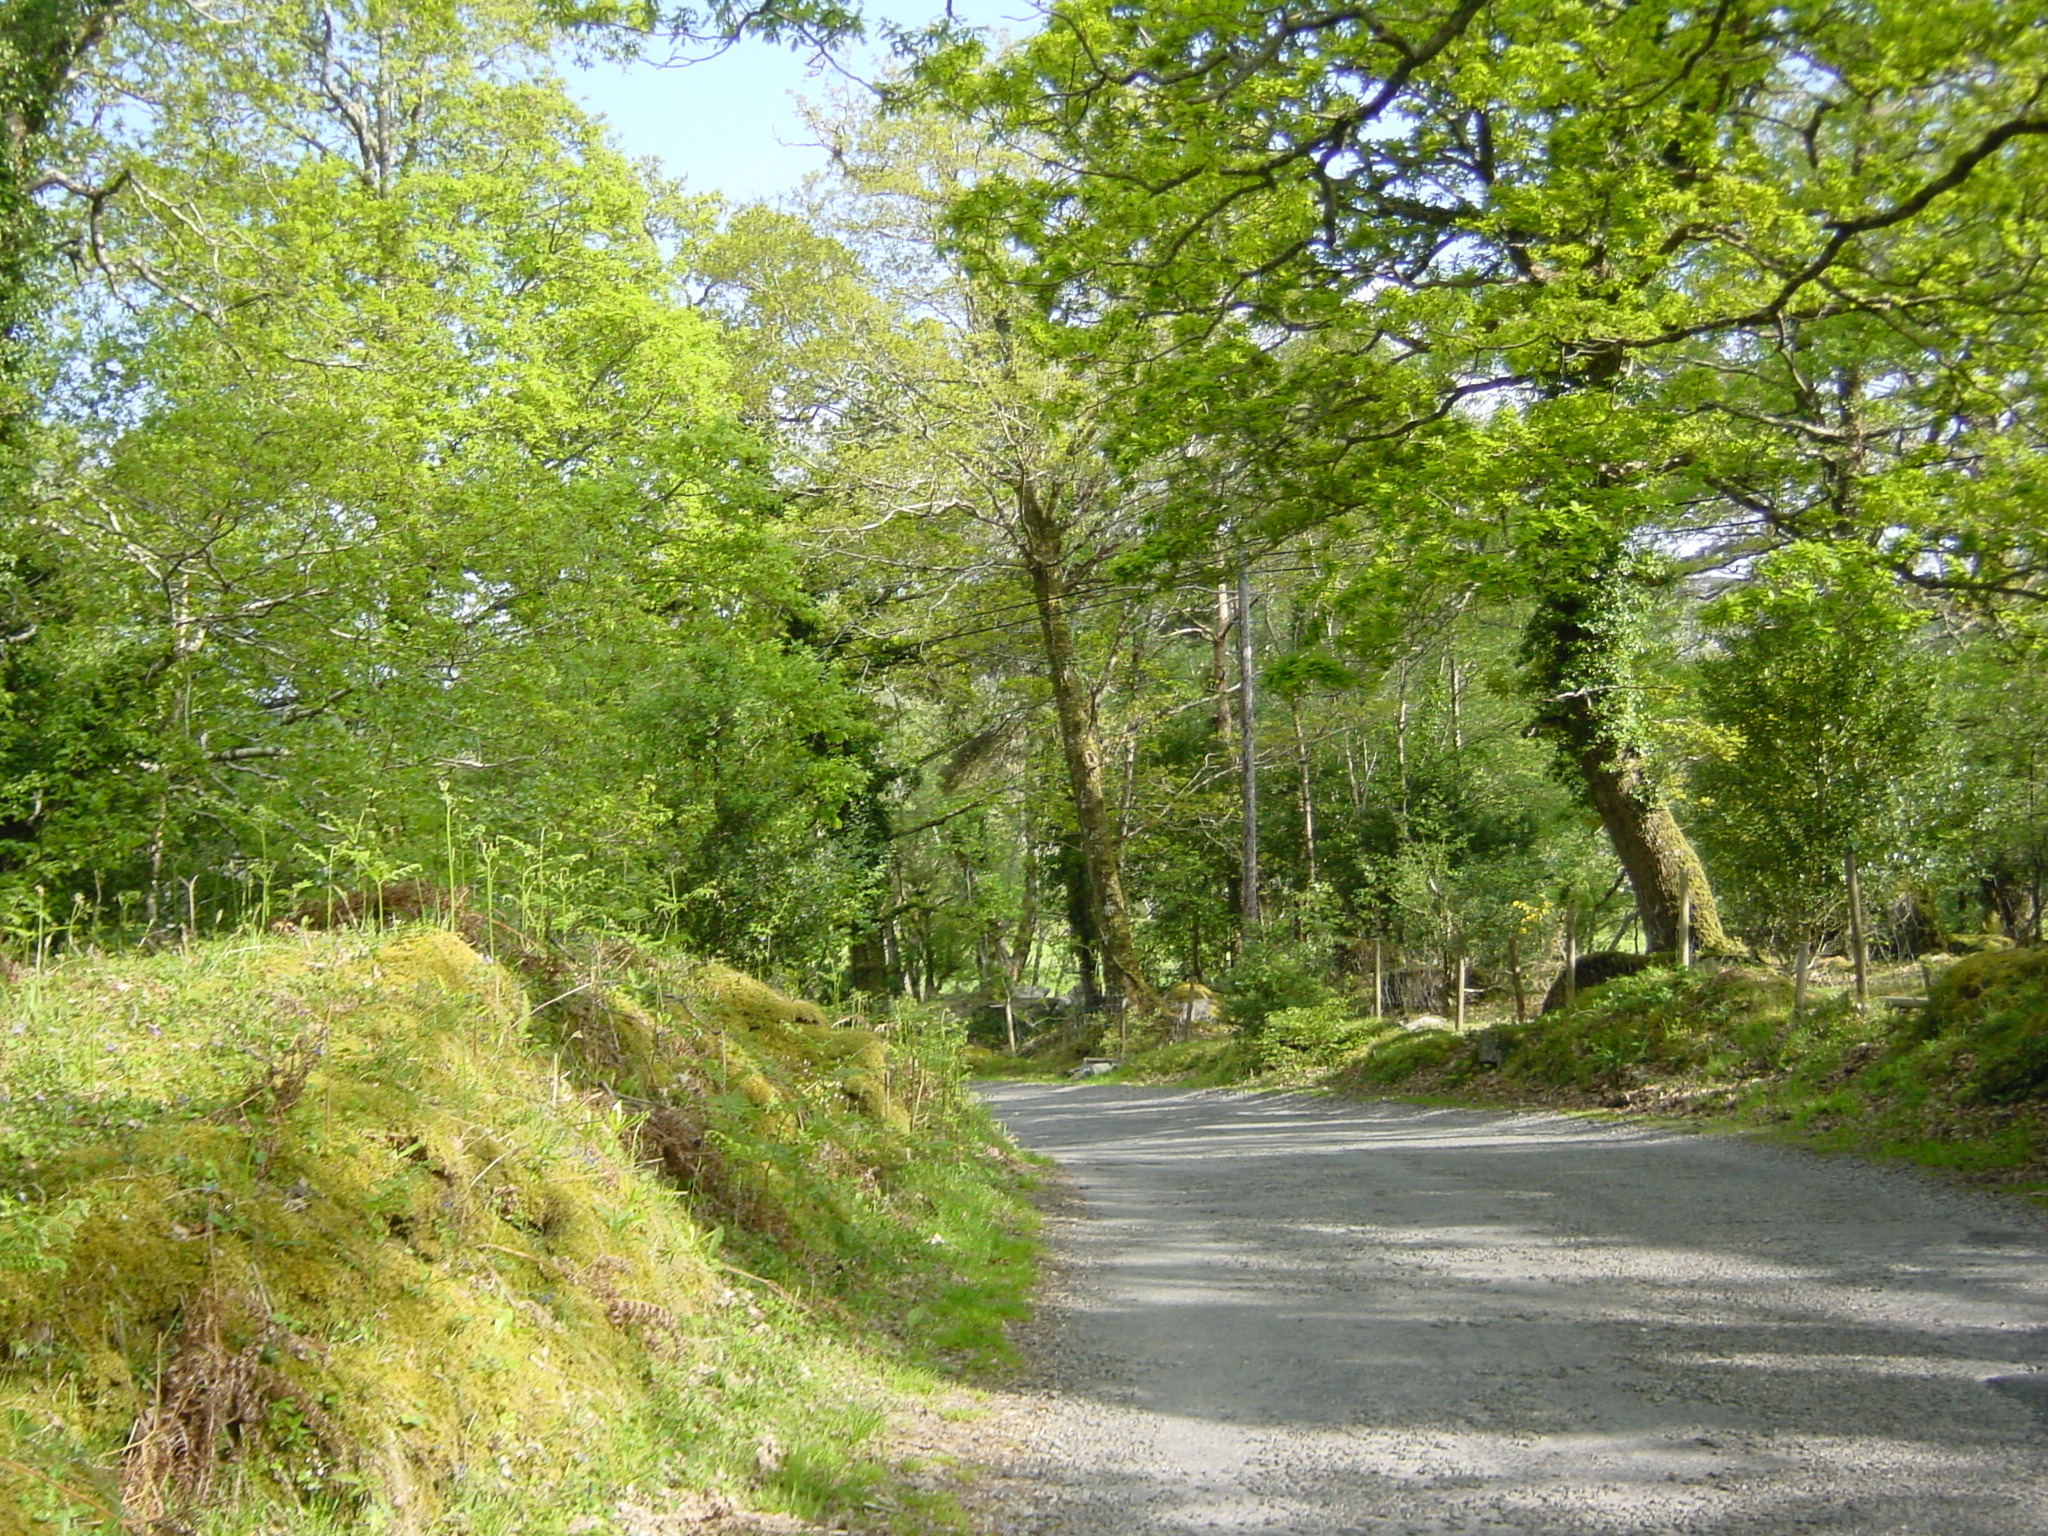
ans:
(1308, 1316)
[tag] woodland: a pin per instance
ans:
(1257, 521)
(1209, 492)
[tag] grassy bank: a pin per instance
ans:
(355, 1232)
(1961, 1084)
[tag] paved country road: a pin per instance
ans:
(1311, 1316)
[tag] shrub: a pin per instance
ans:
(1317, 1036)
(1270, 978)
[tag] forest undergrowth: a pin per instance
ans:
(1959, 1084)
(371, 1232)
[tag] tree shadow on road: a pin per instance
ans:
(1338, 1312)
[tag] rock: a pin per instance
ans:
(1188, 1005)
(1976, 943)
(1958, 997)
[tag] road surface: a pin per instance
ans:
(1305, 1317)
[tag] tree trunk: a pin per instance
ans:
(1248, 757)
(1043, 555)
(1081, 925)
(1662, 866)
(1457, 681)
(1027, 915)
(867, 964)
(1576, 651)
(1859, 951)
(1303, 769)
(1219, 663)
(1401, 754)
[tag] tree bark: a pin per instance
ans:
(1662, 866)
(1027, 915)
(1043, 553)
(1219, 663)
(1248, 757)
(1081, 926)
(1303, 769)
(867, 964)
(1859, 951)
(1577, 651)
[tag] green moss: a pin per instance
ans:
(406, 1219)
(1960, 1085)
(362, 1180)
(742, 1002)
(1399, 1057)
(2006, 982)
(1196, 1063)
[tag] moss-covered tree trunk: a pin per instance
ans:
(1578, 650)
(1080, 911)
(1043, 551)
(1661, 864)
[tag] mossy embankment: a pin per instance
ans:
(1959, 1084)
(370, 1232)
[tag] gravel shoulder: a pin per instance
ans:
(1290, 1315)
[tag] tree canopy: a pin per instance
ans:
(1202, 491)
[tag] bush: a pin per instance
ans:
(1318, 1036)
(1270, 978)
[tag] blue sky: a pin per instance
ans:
(729, 124)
